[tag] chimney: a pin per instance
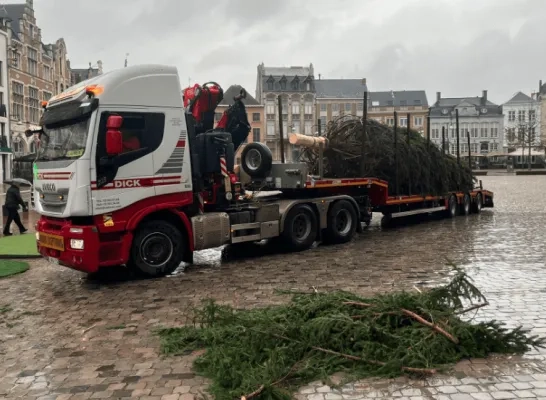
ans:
(484, 97)
(539, 86)
(438, 96)
(319, 77)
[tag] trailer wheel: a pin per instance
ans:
(342, 221)
(300, 228)
(157, 249)
(452, 206)
(256, 160)
(477, 205)
(465, 207)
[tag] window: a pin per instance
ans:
(474, 147)
(403, 121)
(283, 84)
(494, 146)
(285, 129)
(532, 113)
(296, 84)
(32, 61)
(47, 73)
(390, 121)
(18, 100)
(308, 107)
(494, 132)
(34, 105)
(270, 108)
(403, 103)
(284, 104)
(474, 132)
(270, 128)
(511, 116)
(348, 107)
(418, 121)
(322, 123)
(484, 147)
(521, 115)
(256, 135)
(360, 106)
(390, 103)
(308, 128)
(217, 116)
(269, 85)
(324, 107)
(435, 133)
(1, 73)
(16, 57)
(335, 107)
(483, 132)
(511, 135)
(295, 108)
(417, 102)
(256, 117)
(141, 133)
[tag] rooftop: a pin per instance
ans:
(340, 88)
(233, 91)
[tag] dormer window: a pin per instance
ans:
(296, 84)
(283, 83)
(270, 83)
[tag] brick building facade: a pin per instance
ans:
(37, 71)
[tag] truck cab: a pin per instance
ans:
(113, 149)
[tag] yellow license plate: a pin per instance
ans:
(51, 241)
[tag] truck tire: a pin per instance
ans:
(452, 207)
(300, 228)
(477, 204)
(465, 206)
(342, 223)
(157, 250)
(256, 160)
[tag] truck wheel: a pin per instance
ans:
(452, 206)
(342, 221)
(158, 249)
(477, 205)
(256, 160)
(465, 207)
(300, 228)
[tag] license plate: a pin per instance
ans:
(51, 241)
(53, 260)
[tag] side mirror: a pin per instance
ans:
(114, 141)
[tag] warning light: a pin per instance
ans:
(93, 90)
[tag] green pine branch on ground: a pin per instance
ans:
(267, 353)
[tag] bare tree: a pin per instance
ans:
(523, 132)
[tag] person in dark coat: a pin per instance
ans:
(13, 201)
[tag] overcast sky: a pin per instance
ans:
(458, 47)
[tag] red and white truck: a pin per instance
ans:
(130, 172)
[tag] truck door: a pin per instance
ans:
(121, 181)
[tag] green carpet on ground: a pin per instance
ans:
(18, 245)
(12, 267)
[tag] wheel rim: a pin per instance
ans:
(156, 249)
(301, 227)
(479, 201)
(453, 206)
(466, 204)
(343, 222)
(253, 159)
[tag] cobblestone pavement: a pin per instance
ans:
(65, 337)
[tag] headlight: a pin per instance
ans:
(37, 235)
(76, 244)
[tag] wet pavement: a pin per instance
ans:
(66, 337)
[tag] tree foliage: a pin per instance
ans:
(267, 353)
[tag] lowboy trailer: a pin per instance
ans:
(130, 173)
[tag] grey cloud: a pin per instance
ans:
(457, 47)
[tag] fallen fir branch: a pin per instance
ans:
(267, 353)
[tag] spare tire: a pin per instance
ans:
(256, 160)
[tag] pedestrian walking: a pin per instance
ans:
(13, 201)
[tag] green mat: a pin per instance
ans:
(18, 246)
(12, 267)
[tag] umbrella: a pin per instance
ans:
(19, 181)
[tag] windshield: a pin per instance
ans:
(65, 142)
